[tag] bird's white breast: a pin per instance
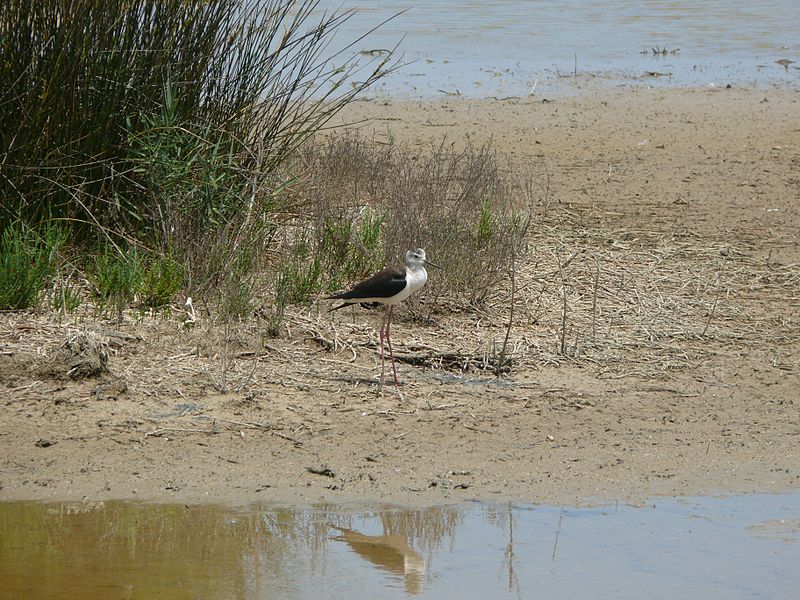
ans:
(415, 279)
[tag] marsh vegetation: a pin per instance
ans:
(152, 151)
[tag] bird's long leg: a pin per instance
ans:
(389, 342)
(382, 335)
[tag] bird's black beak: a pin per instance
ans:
(427, 262)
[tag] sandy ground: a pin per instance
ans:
(656, 175)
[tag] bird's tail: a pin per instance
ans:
(339, 296)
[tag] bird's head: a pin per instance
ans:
(417, 258)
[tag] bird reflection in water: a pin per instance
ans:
(390, 552)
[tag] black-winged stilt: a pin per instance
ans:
(389, 287)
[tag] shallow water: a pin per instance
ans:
(515, 47)
(737, 547)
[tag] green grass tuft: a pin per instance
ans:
(27, 264)
(161, 280)
(485, 227)
(118, 276)
(66, 297)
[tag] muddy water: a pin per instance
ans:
(739, 547)
(515, 46)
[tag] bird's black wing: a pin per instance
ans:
(385, 284)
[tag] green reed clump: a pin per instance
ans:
(162, 278)
(27, 263)
(118, 277)
(67, 297)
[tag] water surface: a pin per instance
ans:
(515, 47)
(739, 547)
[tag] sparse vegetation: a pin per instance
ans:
(368, 203)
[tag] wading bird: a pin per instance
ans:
(389, 287)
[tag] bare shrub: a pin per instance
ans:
(464, 207)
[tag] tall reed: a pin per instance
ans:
(164, 123)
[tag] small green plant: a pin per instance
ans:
(335, 247)
(27, 263)
(237, 289)
(66, 297)
(285, 290)
(370, 230)
(484, 230)
(237, 297)
(162, 277)
(277, 311)
(118, 277)
(300, 278)
(350, 249)
(368, 255)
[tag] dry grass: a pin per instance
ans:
(627, 303)
(642, 304)
(646, 303)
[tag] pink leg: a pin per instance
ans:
(389, 341)
(381, 336)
